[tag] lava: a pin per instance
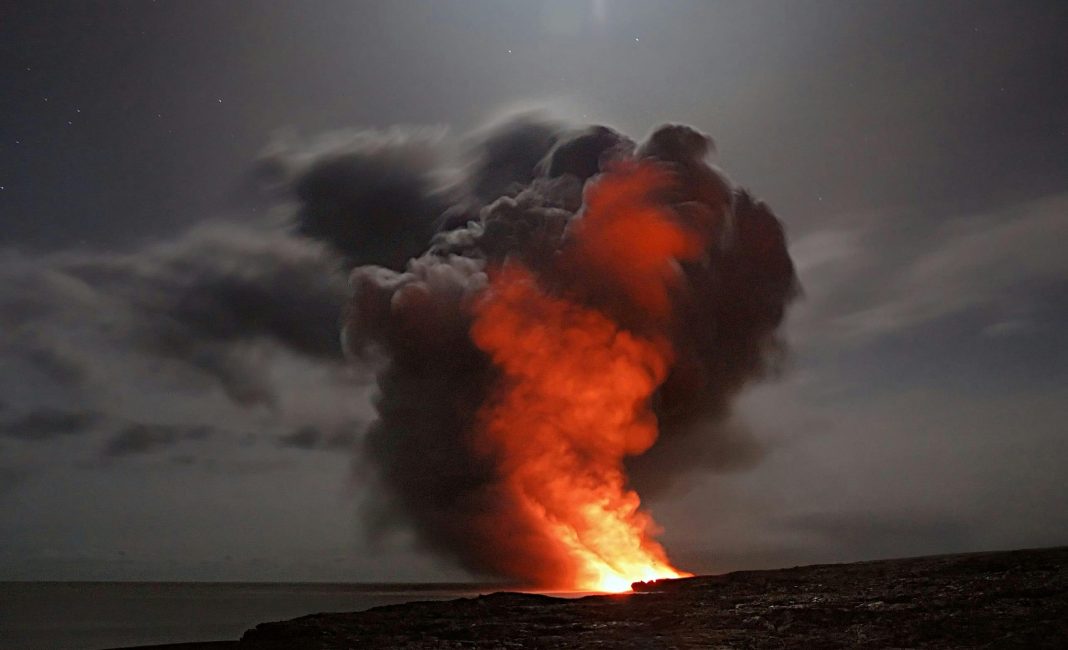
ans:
(573, 397)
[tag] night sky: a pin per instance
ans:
(171, 407)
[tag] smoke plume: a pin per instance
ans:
(572, 335)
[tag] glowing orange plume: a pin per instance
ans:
(574, 396)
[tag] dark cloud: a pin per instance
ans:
(207, 302)
(584, 153)
(227, 285)
(506, 156)
(47, 423)
(138, 438)
(725, 331)
(374, 197)
(519, 164)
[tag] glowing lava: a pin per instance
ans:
(574, 395)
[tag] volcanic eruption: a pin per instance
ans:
(585, 303)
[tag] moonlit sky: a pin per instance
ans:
(916, 151)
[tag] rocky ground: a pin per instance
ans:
(1016, 599)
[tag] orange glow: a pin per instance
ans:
(627, 236)
(574, 395)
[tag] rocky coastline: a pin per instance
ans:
(1012, 599)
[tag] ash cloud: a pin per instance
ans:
(375, 197)
(724, 324)
(506, 156)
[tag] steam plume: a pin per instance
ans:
(588, 327)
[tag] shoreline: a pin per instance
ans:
(987, 599)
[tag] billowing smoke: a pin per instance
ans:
(373, 196)
(568, 261)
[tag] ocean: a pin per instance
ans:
(97, 615)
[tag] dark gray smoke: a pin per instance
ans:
(372, 196)
(519, 196)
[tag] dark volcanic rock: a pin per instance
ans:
(1016, 599)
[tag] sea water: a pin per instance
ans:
(96, 615)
